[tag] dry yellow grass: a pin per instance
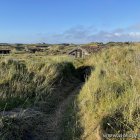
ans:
(110, 99)
(108, 102)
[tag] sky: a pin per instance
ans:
(69, 21)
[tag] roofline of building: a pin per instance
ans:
(77, 49)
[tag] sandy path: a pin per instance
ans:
(57, 118)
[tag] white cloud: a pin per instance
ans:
(117, 34)
(134, 34)
(81, 34)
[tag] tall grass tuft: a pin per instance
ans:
(27, 82)
(110, 100)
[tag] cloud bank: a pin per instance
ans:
(81, 34)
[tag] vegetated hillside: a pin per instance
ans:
(109, 102)
(38, 86)
(49, 87)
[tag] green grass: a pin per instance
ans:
(107, 103)
(109, 100)
(71, 127)
(29, 80)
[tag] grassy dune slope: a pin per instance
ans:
(38, 84)
(109, 102)
(25, 82)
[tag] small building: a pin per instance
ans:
(78, 53)
(5, 51)
(82, 52)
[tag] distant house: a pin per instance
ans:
(84, 51)
(5, 51)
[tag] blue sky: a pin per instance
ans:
(72, 21)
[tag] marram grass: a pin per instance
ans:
(28, 80)
(109, 102)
